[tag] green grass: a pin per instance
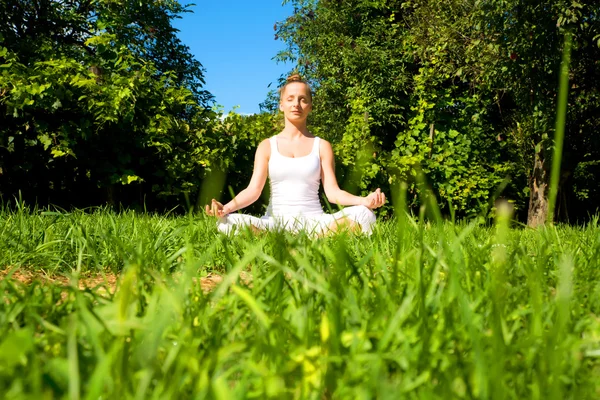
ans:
(417, 310)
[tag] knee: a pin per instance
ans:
(366, 214)
(224, 227)
(363, 216)
(230, 224)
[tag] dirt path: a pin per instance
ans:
(107, 281)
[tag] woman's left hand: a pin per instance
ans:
(374, 199)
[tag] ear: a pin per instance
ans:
(280, 106)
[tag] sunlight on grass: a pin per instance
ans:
(421, 310)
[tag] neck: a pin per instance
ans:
(294, 129)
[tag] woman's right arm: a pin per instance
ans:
(257, 182)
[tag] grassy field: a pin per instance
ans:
(115, 305)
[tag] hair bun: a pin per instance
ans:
(294, 78)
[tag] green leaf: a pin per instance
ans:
(254, 305)
(56, 153)
(45, 140)
(15, 347)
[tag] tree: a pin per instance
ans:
(389, 114)
(510, 52)
(463, 90)
(96, 95)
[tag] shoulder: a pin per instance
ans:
(325, 148)
(265, 145)
(264, 148)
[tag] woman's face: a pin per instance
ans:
(296, 102)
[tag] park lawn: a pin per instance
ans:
(113, 305)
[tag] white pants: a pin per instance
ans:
(314, 224)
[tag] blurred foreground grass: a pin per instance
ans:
(415, 311)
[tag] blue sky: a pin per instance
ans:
(234, 40)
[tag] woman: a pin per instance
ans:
(296, 162)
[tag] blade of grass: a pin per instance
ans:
(559, 134)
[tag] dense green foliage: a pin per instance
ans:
(238, 138)
(414, 311)
(95, 95)
(100, 102)
(464, 91)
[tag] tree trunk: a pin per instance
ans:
(538, 186)
(111, 195)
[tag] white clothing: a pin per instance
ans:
(294, 203)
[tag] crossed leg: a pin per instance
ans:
(353, 219)
(343, 224)
(234, 222)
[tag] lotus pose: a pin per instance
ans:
(296, 162)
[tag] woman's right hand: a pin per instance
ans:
(215, 209)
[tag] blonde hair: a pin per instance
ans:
(292, 79)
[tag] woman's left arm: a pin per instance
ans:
(332, 190)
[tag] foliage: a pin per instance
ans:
(415, 311)
(101, 102)
(463, 91)
(511, 54)
(96, 94)
(237, 137)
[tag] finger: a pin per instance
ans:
(382, 198)
(207, 210)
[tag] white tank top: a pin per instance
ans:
(294, 183)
